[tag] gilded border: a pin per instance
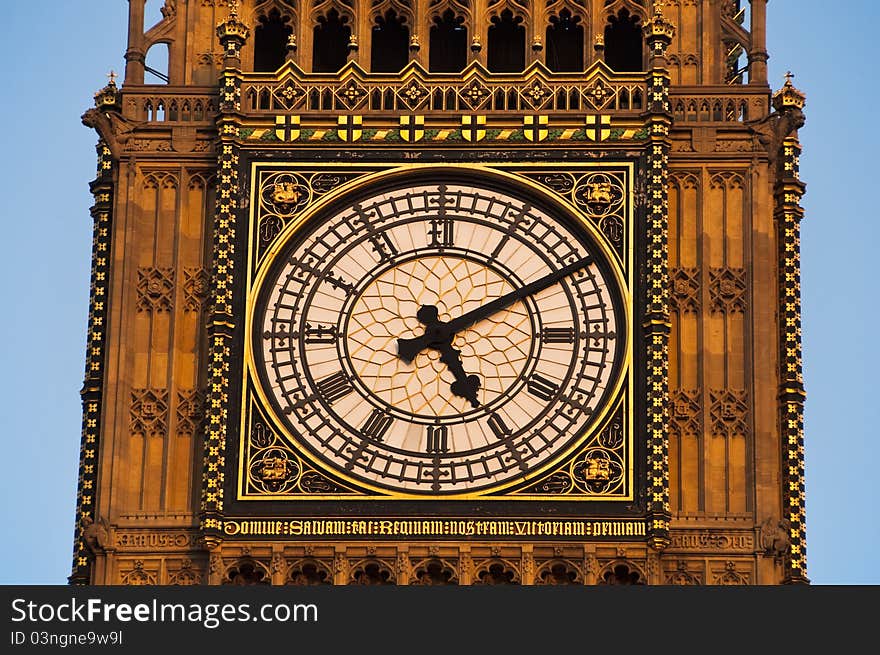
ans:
(789, 190)
(93, 387)
(499, 170)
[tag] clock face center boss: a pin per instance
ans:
(439, 338)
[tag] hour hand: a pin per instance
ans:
(408, 349)
(465, 386)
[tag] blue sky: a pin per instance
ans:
(56, 63)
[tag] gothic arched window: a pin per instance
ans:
(448, 45)
(623, 42)
(330, 45)
(390, 47)
(270, 41)
(565, 43)
(156, 63)
(507, 43)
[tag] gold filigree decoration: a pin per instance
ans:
(272, 467)
(601, 197)
(283, 196)
(597, 469)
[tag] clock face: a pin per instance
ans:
(438, 339)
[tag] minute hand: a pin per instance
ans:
(475, 315)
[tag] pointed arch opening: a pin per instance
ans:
(448, 44)
(565, 43)
(270, 41)
(624, 42)
(330, 45)
(156, 64)
(389, 52)
(506, 47)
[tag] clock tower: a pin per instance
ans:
(444, 292)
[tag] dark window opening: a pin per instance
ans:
(390, 48)
(270, 41)
(448, 44)
(330, 47)
(565, 43)
(623, 42)
(507, 44)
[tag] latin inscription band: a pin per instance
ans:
(433, 528)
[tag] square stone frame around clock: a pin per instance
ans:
(561, 490)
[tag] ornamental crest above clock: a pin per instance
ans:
(437, 332)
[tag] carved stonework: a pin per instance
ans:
(340, 566)
(621, 573)
(687, 412)
(247, 572)
(308, 572)
(278, 564)
(434, 571)
(685, 291)
(558, 572)
(149, 412)
(190, 411)
(730, 575)
(775, 537)
(496, 571)
(727, 289)
(372, 572)
(729, 413)
(138, 575)
(195, 288)
(684, 577)
(155, 289)
(186, 575)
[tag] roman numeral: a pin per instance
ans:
(441, 233)
(377, 425)
(383, 246)
(320, 334)
(437, 439)
(335, 387)
(542, 387)
(557, 335)
(499, 427)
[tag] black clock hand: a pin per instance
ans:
(465, 386)
(475, 315)
(438, 337)
(407, 349)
